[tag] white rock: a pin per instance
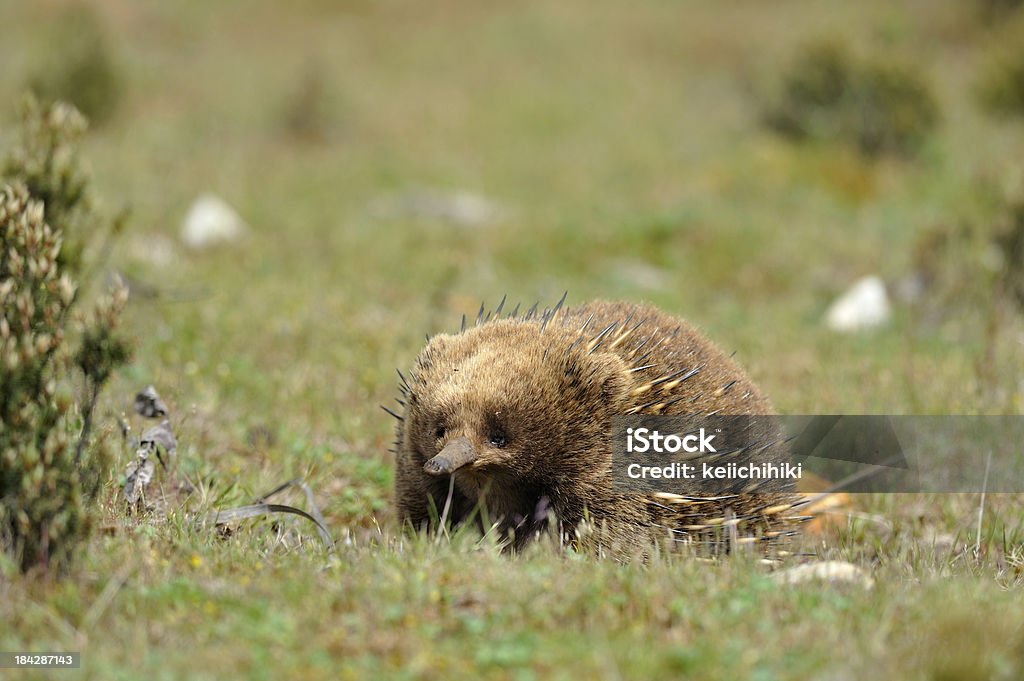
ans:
(210, 220)
(827, 571)
(153, 249)
(460, 208)
(865, 305)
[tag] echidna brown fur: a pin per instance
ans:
(508, 424)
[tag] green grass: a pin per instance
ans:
(624, 145)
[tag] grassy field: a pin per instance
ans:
(624, 150)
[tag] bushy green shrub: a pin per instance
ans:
(995, 10)
(77, 66)
(830, 94)
(49, 468)
(309, 108)
(1008, 236)
(1000, 88)
(978, 258)
(45, 160)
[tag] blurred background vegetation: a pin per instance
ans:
(739, 164)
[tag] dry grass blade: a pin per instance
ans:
(219, 518)
(314, 510)
(981, 505)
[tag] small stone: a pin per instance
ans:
(828, 571)
(865, 305)
(461, 208)
(210, 221)
(154, 250)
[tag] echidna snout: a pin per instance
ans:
(451, 458)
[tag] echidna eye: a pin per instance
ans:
(498, 439)
(439, 433)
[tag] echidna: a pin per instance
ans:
(508, 422)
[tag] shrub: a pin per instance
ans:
(995, 10)
(965, 262)
(1008, 236)
(78, 66)
(1000, 88)
(829, 94)
(49, 469)
(309, 108)
(46, 162)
